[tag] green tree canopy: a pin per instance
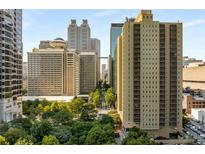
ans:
(76, 106)
(13, 134)
(95, 98)
(50, 140)
(28, 140)
(3, 140)
(40, 129)
(88, 112)
(62, 133)
(137, 137)
(21, 123)
(100, 134)
(63, 117)
(107, 119)
(110, 97)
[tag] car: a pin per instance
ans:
(199, 142)
(202, 135)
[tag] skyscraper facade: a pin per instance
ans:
(79, 36)
(149, 69)
(115, 31)
(53, 70)
(87, 72)
(10, 64)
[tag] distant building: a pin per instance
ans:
(87, 72)
(192, 101)
(149, 75)
(10, 64)
(79, 38)
(187, 61)
(103, 71)
(115, 31)
(53, 70)
(198, 114)
(194, 76)
(25, 75)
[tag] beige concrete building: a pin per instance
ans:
(194, 76)
(87, 72)
(53, 70)
(149, 75)
(25, 75)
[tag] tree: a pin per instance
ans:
(62, 133)
(116, 118)
(95, 97)
(3, 140)
(79, 131)
(110, 97)
(100, 134)
(63, 117)
(137, 137)
(21, 123)
(50, 140)
(106, 119)
(76, 106)
(88, 112)
(28, 140)
(13, 134)
(4, 127)
(40, 129)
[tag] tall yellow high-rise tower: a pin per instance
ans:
(149, 75)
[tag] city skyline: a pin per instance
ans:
(100, 22)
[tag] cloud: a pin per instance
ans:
(194, 23)
(106, 13)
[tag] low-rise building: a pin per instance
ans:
(191, 102)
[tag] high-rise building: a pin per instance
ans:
(103, 71)
(53, 70)
(25, 75)
(115, 31)
(95, 47)
(10, 64)
(149, 75)
(87, 72)
(79, 36)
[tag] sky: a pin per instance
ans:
(49, 24)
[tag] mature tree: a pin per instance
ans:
(95, 98)
(22, 123)
(137, 137)
(88, 112)
(50, 140)
(116, 118)
(62, 133)
(79, 132)
(107, 119)
(28, 140)
(4, 127)
(40, 129)
(76, 106)
(110, 97)
(3, 140)
(63, 117)
(13, 134)
(101, 134)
